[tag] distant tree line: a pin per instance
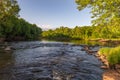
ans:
(85, 32)
(14, 28)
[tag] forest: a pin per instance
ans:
(83, 33)
(12, 27)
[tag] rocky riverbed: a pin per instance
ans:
(49, 61)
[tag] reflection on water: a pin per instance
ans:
(6, 61)
(87, 42)
(6, 58)
(93, 43)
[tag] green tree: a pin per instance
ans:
(103, 10)
(14, 28)
(8, 8)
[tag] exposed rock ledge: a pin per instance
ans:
(111, 75)
(108, 74)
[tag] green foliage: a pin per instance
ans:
(58, 34)
(67, 33)
(85, 32)
(104, 11)
(106, 16)
(19, 29)
(114, 57)
(8, 8)
(112, 54)
(104, 51)
(14, 28)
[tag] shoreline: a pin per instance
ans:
(108, 74)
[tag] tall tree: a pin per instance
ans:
(8, 10)
(14, 28)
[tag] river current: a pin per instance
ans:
(44, 60)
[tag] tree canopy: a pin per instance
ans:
(104, 11)
(8, 8)
(12, 27)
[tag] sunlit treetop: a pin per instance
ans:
(104, 11)
(8, 7)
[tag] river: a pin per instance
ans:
(49, 60)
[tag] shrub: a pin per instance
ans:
(104, 51)
(112, 55)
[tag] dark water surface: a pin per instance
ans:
(42, 60)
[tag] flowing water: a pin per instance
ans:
(44, 60)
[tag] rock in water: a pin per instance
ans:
(8, 48)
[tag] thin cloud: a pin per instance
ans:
(45, 26)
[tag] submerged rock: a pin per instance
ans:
(8, 48)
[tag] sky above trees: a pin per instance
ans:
(54, 13)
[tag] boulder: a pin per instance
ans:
(8, 48)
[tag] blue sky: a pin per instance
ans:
(54, 13)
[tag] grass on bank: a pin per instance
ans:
(112, 54)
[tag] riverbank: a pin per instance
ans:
(108, 74)
(98, 41)
(111, 75)
(105, 40)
